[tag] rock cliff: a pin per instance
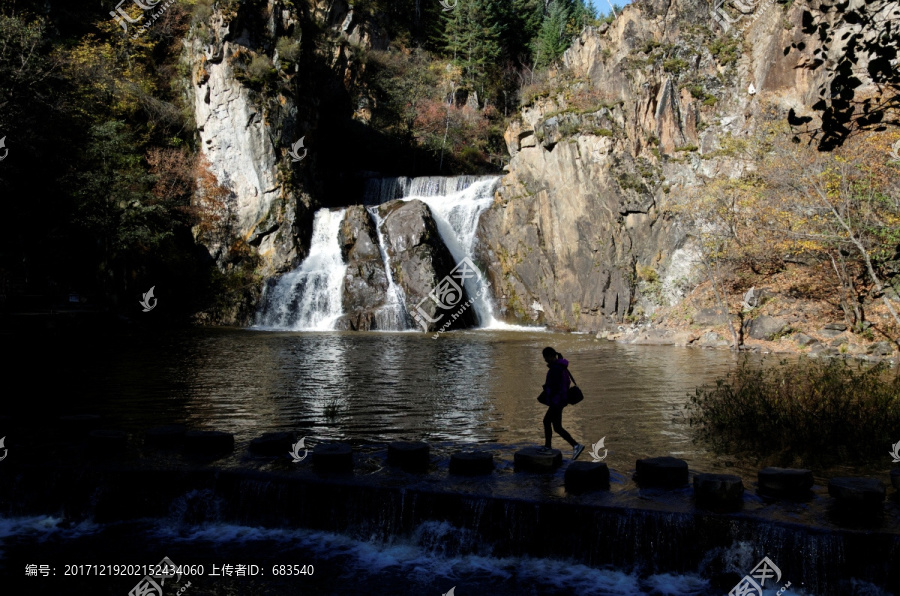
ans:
(583, 231)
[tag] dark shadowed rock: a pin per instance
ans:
(857, 492)
(765, 327)
(784, 482)
(410, 456)
(583, 476)
(895, 478)
(471, 463)
(719, 491)
(272, 444)
(661, 471)
(333, 457)
(208, 442)
(165, 437)
(420, 261)
(533, 459)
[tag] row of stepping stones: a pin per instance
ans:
(715, 491)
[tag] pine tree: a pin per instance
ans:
(552, 40)
(472, 37)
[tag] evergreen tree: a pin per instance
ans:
(552, 39)
(473, 35)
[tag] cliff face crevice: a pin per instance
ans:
(631, 121)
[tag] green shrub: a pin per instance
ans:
(801, 413)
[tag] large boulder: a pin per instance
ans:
(420, 262)
(765, 327)
(365, 283)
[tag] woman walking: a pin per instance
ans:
(556, 388)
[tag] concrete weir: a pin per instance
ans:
(515, 513)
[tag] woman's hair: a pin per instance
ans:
(550, 353)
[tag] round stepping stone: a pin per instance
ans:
(533, 459)
(272, 444)
(661, 471)
(783, 482)
(165, 437)
(718, 491)
(410, 456)
(208, 442)
(857, 492)
(584, 476)
(110, 441)
(471, 463)
(895, 478)
(333, 457)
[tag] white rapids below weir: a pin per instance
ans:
(309, 298)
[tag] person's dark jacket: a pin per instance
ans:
(557, 385)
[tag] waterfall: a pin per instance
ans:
(309, 298)
(456, 203)
(392, 316)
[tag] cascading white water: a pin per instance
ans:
(456, 209)
(456, 203)
(309, 298)
(392, 316)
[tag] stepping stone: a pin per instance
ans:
(333, 457)
(661, 471)
(532, 459)
(719, 491)
(471, 463)
(857, 492)
(165, 437)
(409, 456)
(895, 478)
(272, 444)
(208, 442)
(784, 482)
(585, 476)
(109, 441)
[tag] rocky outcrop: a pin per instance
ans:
(365, 283)
(587, 224)
(421, 264)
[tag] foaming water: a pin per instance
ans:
(309, 298)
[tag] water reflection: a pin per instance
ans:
(466, 387)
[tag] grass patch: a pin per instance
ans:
(806, 413)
